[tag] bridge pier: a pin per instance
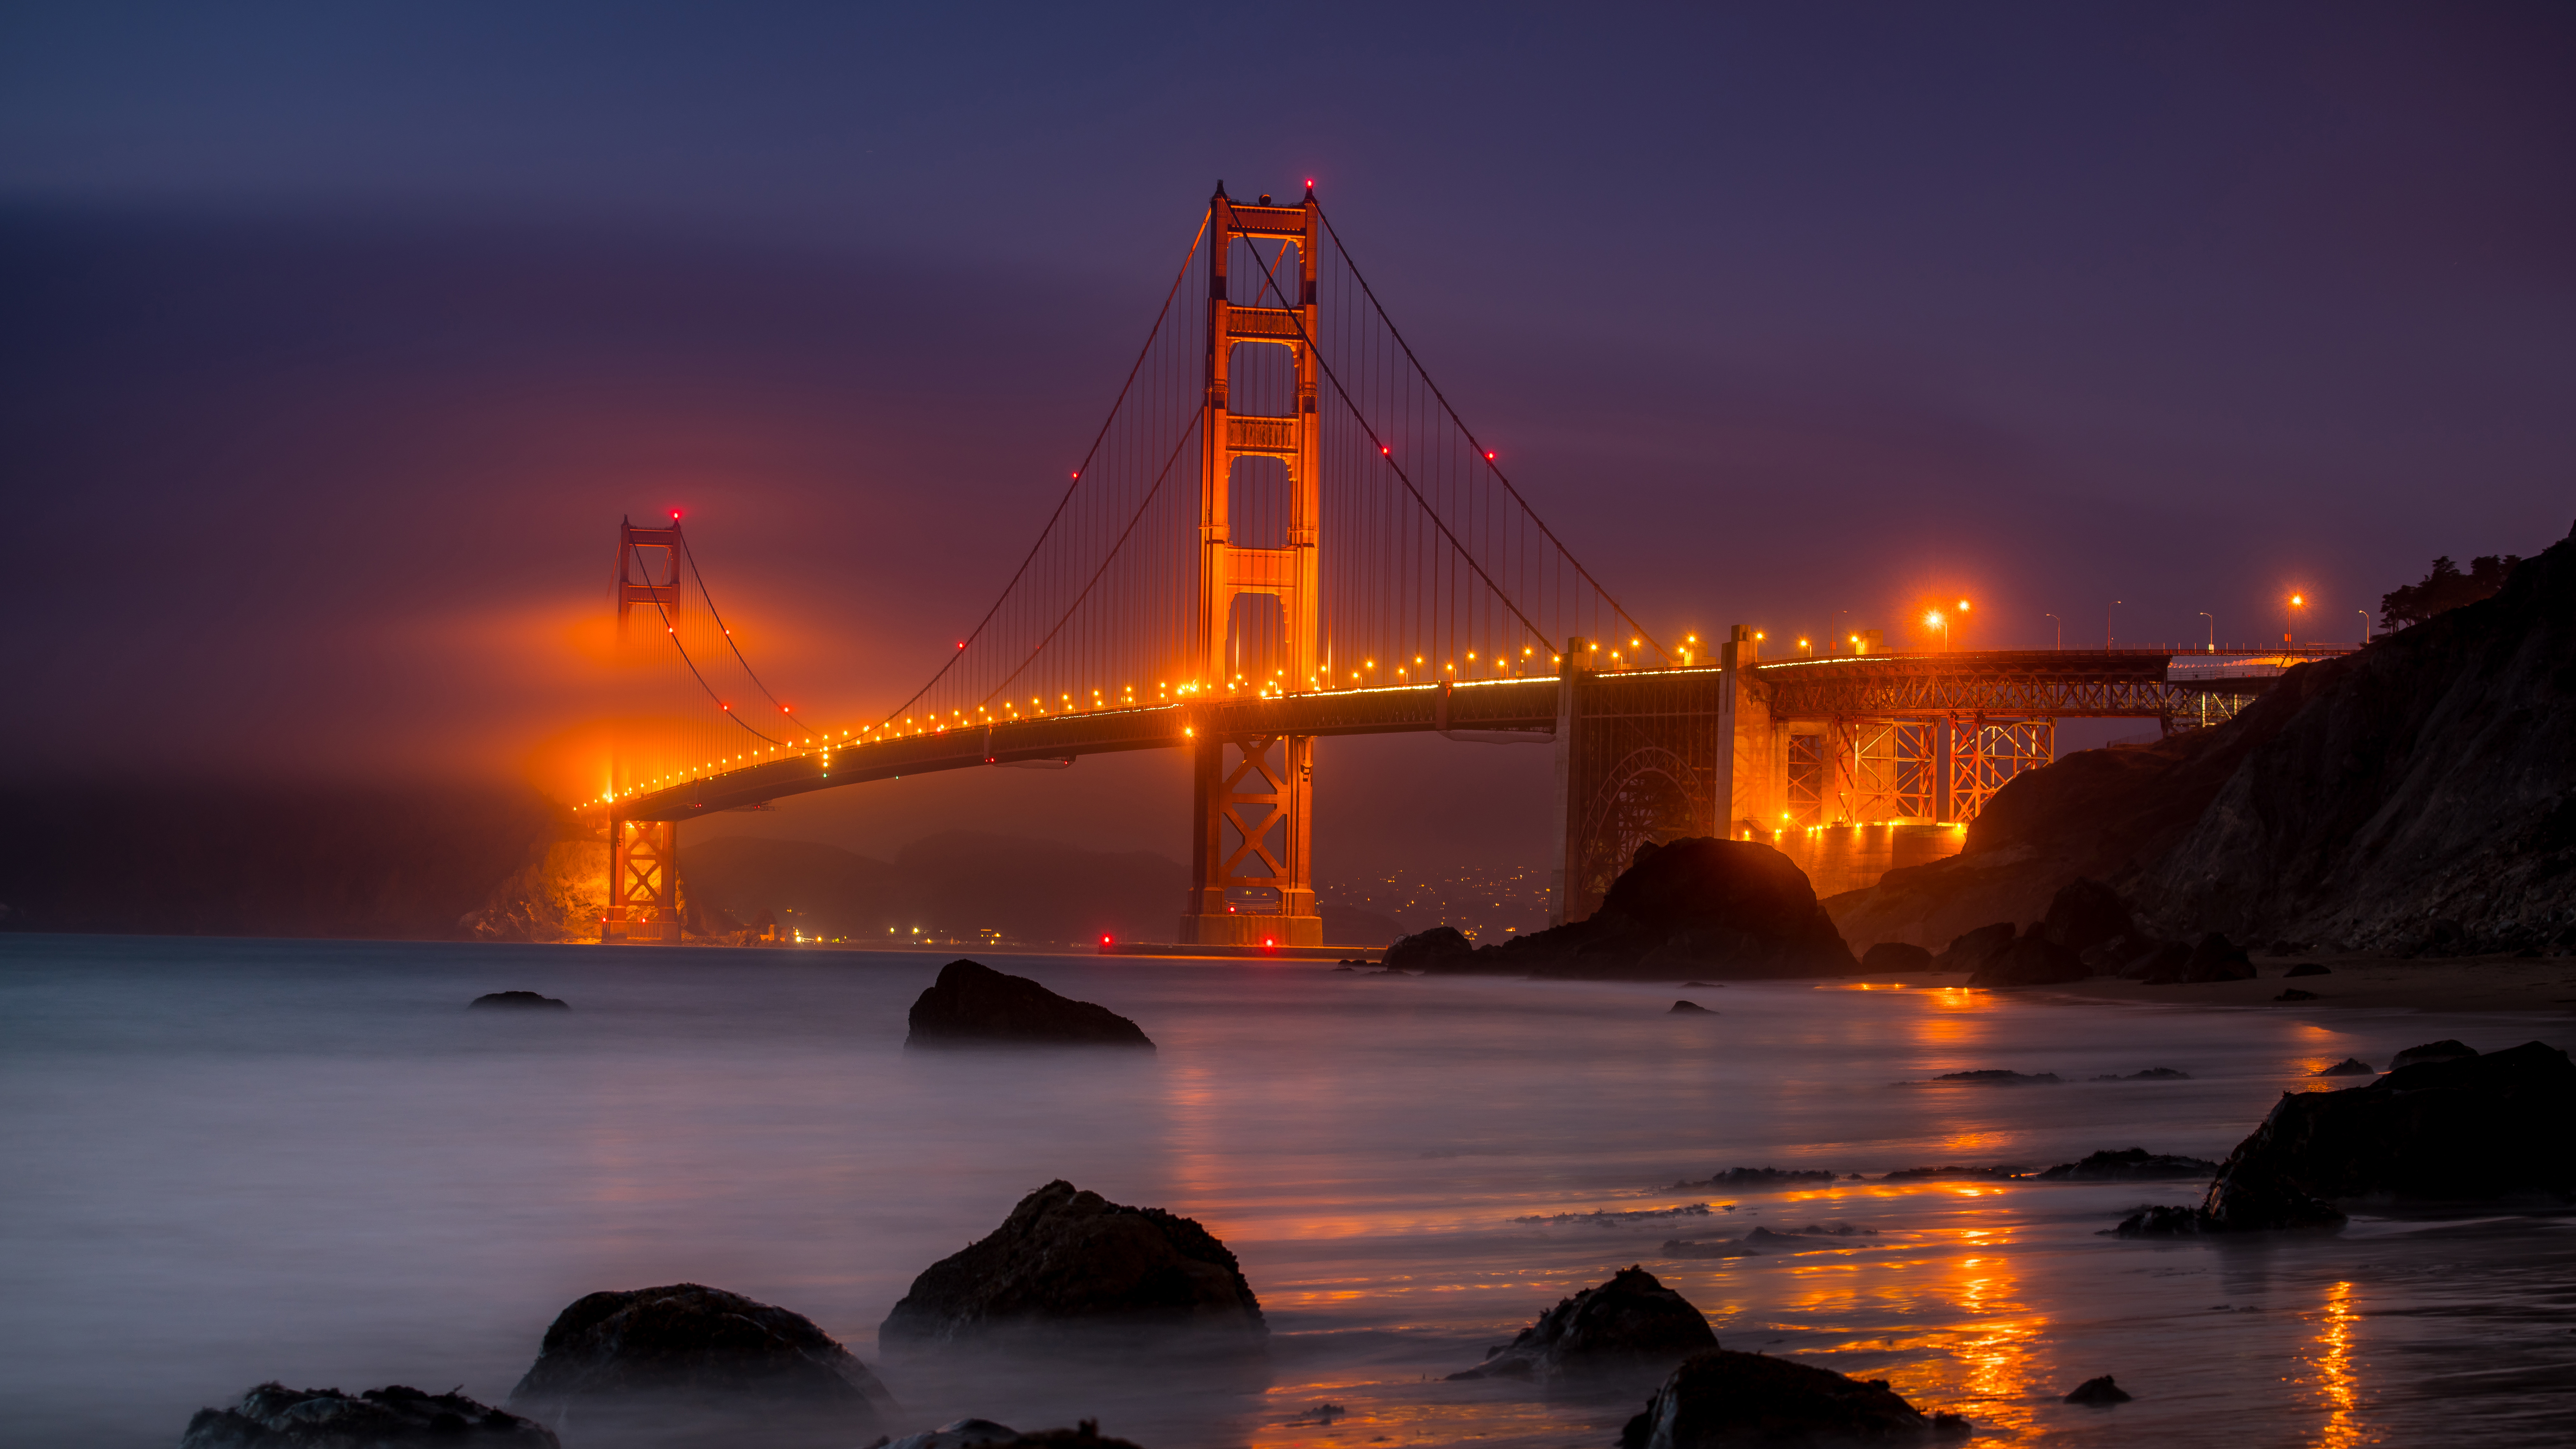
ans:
(643, 882)
(1254, 819)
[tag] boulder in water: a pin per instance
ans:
(973, 1003)
(1696, 908)
(2133, 1164)
(1689, 1008)
(985, 1434)
(2348, 1067)
(1441, 949)
(1895, 958)
(519, 1000)
(670, 1355)
(1069, 1266)
(1631, 1324)
(2444, 1050)
(273, 1416)
(2101, 1393)
(2308, 968)
(2465, 1129)
(1725, 1400)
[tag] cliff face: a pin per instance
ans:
(2420, 795)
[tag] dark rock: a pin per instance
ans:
(2161, 963)
(2101, 1391)
(2134, 1164)
(972, 1002)
(1689, 1008)
(1631, 1324)
(1441, 949)
(2466, 1129)
(664, 1355)
(1724, 1400)
(1950, 1173)
(2444, 1050)
(522, 1000)
(1070, 1264)
(985, 1434)
(1970, 950)
(2308, 968)
(1708, 1248)
(1711, 985)
(1998, 1077)
(2030, 960)
(2348, 1067)
(1756, 1179)
(2151, 1074)
(273, 1416)
(2295, 994)
(2212, 958)
(1696, 908)
(1895, 958)
(2084, 914)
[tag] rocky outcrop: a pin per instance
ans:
(2348, 1067)
(2212, 958)
(971, 1003)
(1070, 1267)
(2416, 797)
(1723, 1400)
(2100, 1393)
(2462, 1129)
(985, 1434)
(1895, 958)
(1971, 950)
(2030, 960)
(1694, 908)
(1763, 1179)
(519, 1001)
(2133, 1164)
(273, 1416)
(667, 1354)
(2085, 914)
(1631, 1324)
(2444, 1050)
(1440, 949)
(1689, 1008)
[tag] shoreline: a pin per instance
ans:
(2542, 986)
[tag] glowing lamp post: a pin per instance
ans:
(1934, 620)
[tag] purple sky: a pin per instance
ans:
(336, 339)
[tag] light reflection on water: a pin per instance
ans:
(236, 1160)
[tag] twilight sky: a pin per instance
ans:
(334, 339)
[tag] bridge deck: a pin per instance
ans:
(2073, 683)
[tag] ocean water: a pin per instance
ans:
(229, 1161)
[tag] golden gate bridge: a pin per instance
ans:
(1283, 531)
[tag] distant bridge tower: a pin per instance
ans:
(1251, 799)
(644, 855)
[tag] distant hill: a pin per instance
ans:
(254, 858)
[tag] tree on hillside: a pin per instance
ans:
(2445, 588)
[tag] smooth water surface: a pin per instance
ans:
(228, 1161)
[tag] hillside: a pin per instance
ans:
(2417, 797)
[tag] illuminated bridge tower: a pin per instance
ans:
(1251, 798)
(644, 855)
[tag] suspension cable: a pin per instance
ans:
(672, 630)
(1071, 488)
(1496, 468)
(1385, 452)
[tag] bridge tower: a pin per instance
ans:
(1251, 798)
(644, 855)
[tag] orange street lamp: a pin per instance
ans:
(1933, 620)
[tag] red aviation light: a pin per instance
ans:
(1489, 457)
